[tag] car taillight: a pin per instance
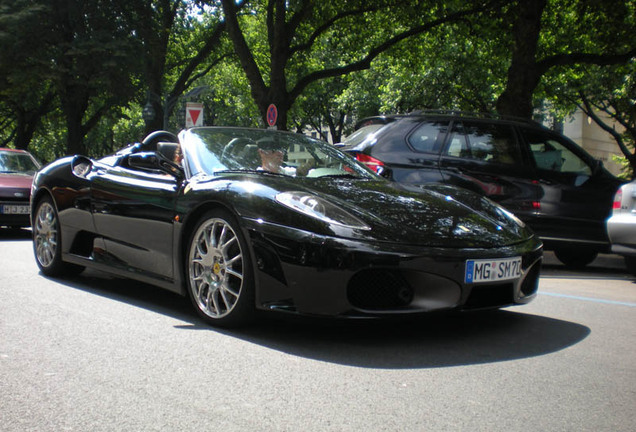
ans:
(618, 199)
(373, 163)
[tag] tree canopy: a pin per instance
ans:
(79, 80)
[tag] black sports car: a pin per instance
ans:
(244, 220)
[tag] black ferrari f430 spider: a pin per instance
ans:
(242, 220)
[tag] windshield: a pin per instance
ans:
(213, 151)
(362, 134)
(14, 162)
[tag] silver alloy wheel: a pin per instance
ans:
(216, 268)
(45, 234)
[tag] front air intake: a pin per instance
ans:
(530, 283)
(379, 290)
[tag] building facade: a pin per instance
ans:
(581, 129)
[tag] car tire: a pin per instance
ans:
(47, 241)
(630, 264)
(575, 258)
(219, 273)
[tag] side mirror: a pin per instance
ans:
(81, 166)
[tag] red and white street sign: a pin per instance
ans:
(272, 115)
(194, 114)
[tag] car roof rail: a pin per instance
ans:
(473, 114)
(388, 118)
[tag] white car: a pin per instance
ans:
(621, 226)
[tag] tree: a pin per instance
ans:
(299, 32)
(612, 93)
(460, 66)
(177, 48)
(562, 33)
(228, 101)
(93, 58)
(78, 59)
(319, 108)
(26, 95)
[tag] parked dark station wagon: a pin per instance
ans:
(548, 181)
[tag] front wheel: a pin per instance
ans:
(47, 241)
(220, 275)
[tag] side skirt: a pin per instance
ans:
(168, 284)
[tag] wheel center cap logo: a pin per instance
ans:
(216, 268)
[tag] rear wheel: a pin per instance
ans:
(220, 275)
(575, 257)
(47, 241)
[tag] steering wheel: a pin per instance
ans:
(150, 142)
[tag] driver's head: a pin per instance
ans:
(272, 153)
(270, 144)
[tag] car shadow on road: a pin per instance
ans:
(132, 292)
(15, 233)
(439, 340)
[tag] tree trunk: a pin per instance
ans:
(523, 74)
(155, 66)
(25, 128)
(74, 105)
(27, 121)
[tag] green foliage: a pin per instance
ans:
(91, 65)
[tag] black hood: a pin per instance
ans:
(434, 216)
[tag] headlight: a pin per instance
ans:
(319, 208)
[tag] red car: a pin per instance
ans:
(17, 168)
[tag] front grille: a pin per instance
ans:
(488, 296)
(379, 290)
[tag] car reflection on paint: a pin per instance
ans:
(318, 235)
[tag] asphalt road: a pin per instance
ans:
(96, 353)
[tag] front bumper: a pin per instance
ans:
(301, 272)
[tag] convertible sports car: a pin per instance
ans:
(242, 220)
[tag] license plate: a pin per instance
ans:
(14, 209)
(492, 270)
